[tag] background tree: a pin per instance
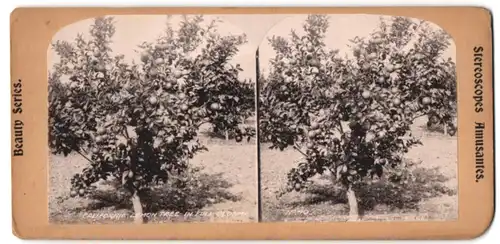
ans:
(228, 100)
(202, 71)
(420, 49)
(349, 116)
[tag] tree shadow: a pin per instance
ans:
(324, 193)
(423, 184)
(196, 193)
(186, 193)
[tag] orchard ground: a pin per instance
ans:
(432, 196)
(229, 194)
(225, 189)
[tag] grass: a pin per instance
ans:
(431, 195)
(223, 189)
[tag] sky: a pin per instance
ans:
(342, 27)
(132, 30)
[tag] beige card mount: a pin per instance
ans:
(252, 123)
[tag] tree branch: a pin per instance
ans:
(296, 147)
(417, 116)
(339, 123)
(126, 132)
(203, 122)
(81, 154)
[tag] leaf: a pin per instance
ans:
(323, 151)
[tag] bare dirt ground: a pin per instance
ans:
(225, 190)
(432, 196)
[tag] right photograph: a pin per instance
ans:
(357, 120)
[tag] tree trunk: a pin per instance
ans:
(227, 135)
(352, 201)
(445, 128)
(136, 203)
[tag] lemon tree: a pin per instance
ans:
(350, 117)
(137, 123)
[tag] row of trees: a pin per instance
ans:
(351, 116)
(139, 123)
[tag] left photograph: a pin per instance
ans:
(151, 120)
